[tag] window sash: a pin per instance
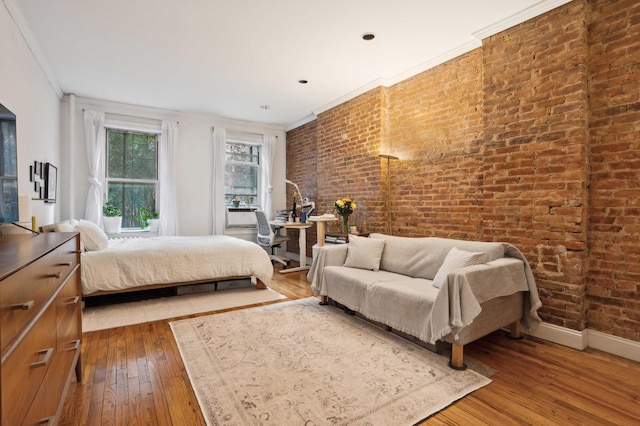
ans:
(131, 209)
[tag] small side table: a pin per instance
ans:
(322, 226)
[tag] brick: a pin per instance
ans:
(531, 139)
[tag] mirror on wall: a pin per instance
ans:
(8, 167)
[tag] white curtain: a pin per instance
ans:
(166, 181)
(218, 141)
(266, 177)
(96, 149)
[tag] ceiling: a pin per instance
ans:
(230, 58)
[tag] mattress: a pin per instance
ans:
(134, 262)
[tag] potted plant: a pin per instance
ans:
(111, 219)
(149, 218)
(235, 201)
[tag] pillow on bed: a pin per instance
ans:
(456, 259)
(93, 238)
(364, 253)
(65, 226)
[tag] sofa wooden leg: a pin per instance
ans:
(457, 357)
(260, 285)
(515, 331)
(323, 300)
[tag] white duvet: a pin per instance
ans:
(135, 262)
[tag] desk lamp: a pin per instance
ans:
(304, 202)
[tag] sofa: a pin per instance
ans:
(435, 289)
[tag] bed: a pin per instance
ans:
(132, 264)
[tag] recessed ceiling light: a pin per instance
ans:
(303, 81)
(265, 106)
(368, 36)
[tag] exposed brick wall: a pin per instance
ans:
(349, 139)
(435, 127)
(535, 153)
(613, 280)
(532, 139)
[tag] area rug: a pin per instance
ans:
(297, 363)
(117, 315)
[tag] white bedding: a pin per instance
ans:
(135, 262)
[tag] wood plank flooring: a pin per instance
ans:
(134, 376)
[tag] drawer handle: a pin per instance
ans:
(76, 251)
(65, 264)
(23, 306)
(56, 275)
(45, 359)
(72, 300)
(76, 345)
(47, 420)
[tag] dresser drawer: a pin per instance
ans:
(69, 313)
(65, 258)
(47, 401)
(24, 293)
(25, 368)
(23, 296)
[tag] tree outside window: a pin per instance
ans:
(132, 173)
(241, 173)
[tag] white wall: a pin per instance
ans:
(27, 92)
(194, 161)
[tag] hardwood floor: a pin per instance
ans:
(134, 376)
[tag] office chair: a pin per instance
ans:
(268, 238)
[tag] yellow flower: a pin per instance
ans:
(344, 206)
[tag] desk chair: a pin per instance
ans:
(269, 238)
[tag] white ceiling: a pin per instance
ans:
(229, 57)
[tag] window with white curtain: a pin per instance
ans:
(242, 169)
(132, 173)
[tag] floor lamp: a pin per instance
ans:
(388, 201)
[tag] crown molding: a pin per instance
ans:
(308, 119)
(18, 18)
(537, 9)
(434, 62)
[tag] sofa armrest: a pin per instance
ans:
(328, 255)
(500, 277)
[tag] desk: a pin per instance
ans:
(302, 242)
(322, 226)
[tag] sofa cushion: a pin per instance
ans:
(422, 257)
(348, 286)
(456, 259)
(413, 257)
(364, 253)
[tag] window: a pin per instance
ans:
(132, 173)
(242, 168)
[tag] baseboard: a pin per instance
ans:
(562, 336)
(614, 345)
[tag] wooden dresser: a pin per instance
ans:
(41, 325)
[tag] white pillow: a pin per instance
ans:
(456, 259)
(63, 227)
(93, 238)
(364, 253)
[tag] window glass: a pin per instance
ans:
(241, 173)
(132, 173)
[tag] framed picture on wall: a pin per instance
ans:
(51, 178)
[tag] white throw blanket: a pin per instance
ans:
(456, 304)
(135, 262)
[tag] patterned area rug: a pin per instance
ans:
(299, 363)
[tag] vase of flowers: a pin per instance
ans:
(344, 207)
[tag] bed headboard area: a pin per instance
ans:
(48, 228)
